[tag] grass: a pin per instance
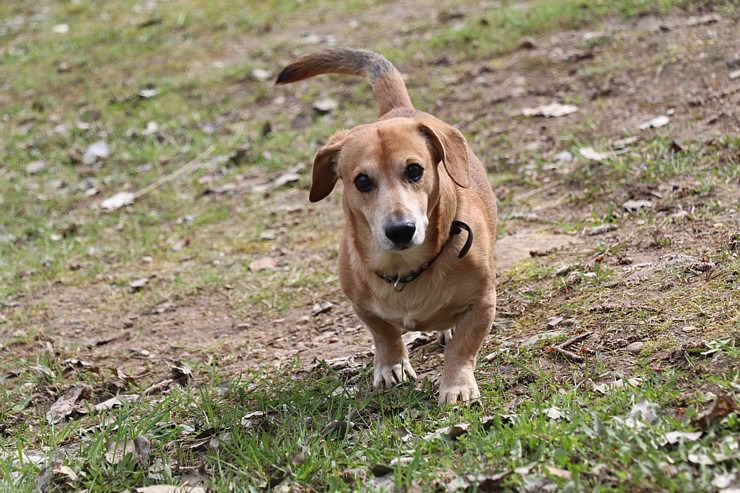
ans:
(499, 31)
(545, 423)
(273, 429)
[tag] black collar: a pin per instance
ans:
(399, 281)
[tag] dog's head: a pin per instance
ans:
(391, 172)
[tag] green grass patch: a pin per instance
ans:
(325, 430)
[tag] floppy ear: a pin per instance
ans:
(451, 149)
(324, 175)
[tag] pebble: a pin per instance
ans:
(35, 167)
(635, 348)
(636, 205)
(563, 157)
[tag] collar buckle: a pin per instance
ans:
(399, 282)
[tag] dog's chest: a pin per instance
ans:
(417, 309)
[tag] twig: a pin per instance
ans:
(531, 193)
(552, 205)
(195, 163)
(560, 349)
(575, 339)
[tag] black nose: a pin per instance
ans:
(400, 233)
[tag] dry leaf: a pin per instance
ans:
(551, 110)
(452, 432)
(261, 75)
(97, 151)
(285, 178)
(324, 106)
(50, 477)
(721, 407)
(148, 91)
(139, 283)
(117, 201)
(64, 406)
(706, 459)
(677, 436)
(116, 451)
(181, 373)
(593, 155)
(643, 412)
(35, 167)
(265, 263)
(636, 205)
(247, 420)
(338, 428)
(115, 402)
(139, 447)
(560, 473)
(477, 482)
(658, 121)
(323, 307)
(554, 413)
(166, 488)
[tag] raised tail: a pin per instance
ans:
(383, 77)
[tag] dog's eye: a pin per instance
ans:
(414, 171)
(363, 183)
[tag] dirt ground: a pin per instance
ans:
(625, 74)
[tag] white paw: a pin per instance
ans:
(392, 375)
(463, 393)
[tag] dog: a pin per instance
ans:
(416, 253)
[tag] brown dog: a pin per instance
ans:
(420, 221)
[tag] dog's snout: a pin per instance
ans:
(400, 233)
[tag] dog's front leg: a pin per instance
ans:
(458, 376)
(391, 362)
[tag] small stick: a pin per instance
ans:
(531, 193)
(575, 339)
(568, 354)
(195, 163)
(560, 349)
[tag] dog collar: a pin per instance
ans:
(399, 281)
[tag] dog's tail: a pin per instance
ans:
(383, 77)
